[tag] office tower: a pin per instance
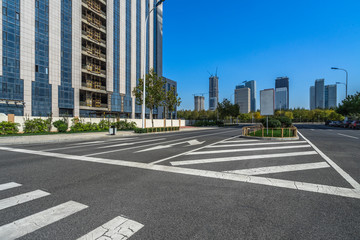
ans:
(282, 93)
(161, 110)
(312, 97)
(243, 99)
(76, 58)
(252, 85)
(330, 96)
(319, 94)
(213, 92)
(199, 103)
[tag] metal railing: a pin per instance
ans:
(259, 131)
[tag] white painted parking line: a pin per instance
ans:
(132, 143)
(116, 229)
(240, 141)
(22, 198)
(10, 185)
(280, 169)
(254, 144)
(248, 149)
(242, 158)
(302, 186)
(345, 175)
(347, 136)
(39, 220)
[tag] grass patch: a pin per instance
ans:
(273, 133)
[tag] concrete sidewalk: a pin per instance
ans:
(76, 137)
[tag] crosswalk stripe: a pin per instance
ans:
(132, 143)
(254, 144)
(116, 229)
(9, 185)
(248, 149)
(39, 220)
(240, 141)
(279, 169)
(242, 158)
(22, 198)
(85, 143)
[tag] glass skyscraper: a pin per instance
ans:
(282, 93)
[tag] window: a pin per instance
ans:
(4, 11)
(36, 68)
(46, 70)
(4, 61)
(5, 36)
(37, 3)
(4, 87)
(17, 16)
(17, 88)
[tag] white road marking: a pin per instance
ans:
(6, 186)
(132, 143)
(348, 136)
(242, 158)
(85, 143)
(191, 143)
(184, 153)
(312, 129)
(22, 198)
(345, 175)
(248, 150)
(116, 229)
(39, 220)
(309, 187)
(240, 141)
(280, 169)
(152, 144)
(254, 144)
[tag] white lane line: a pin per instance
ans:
(39, 220)
(6, 186)
(345, 175)
(116, 229)
(242, 158)
(348, 136)
(22, 198)
(152, 144)
(248, 149)
(280, 169)
(86, 143)
(240, 141)
(131, 143)
(312, 129)
(121, 139)
(303, 186)
(254, 144)
(184, 153)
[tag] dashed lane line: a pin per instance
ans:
(39, 220)
(254, 144)
(248, 150)
(22, 198)
(348, 136)
(116, 229)
(303, 186)
(280, 169)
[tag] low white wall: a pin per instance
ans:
(157, 122)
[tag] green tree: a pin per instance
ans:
(155, 92)
(172, 101)
(227, 109)
(350, 105)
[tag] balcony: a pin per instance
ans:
(95, 7)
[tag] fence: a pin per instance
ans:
(259, 131)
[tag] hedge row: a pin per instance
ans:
(158, 129)
(8, 128)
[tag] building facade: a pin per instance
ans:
(199, 103)
(312, 97)
(319, 94)
(252, 85)
(76, 58)
(282, 93)
(213, 92)
(162, 112)
(330, 96)
(243, 98)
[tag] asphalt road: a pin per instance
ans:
(209, 184)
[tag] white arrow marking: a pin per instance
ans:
(190, 142)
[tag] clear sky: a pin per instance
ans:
(261, 40)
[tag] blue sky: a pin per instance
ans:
(261, 40)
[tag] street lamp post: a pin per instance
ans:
(347, 77)
(145, 38)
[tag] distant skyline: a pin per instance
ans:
(261, 41)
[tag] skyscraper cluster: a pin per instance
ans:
(323, 96)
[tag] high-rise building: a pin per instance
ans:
(243, 98)
(319, 94)
(312, 97)
(282, 93)
(199, 103)
(330, 96)
(76, 58)
(252, 85)
(213, 92)
(169, 85)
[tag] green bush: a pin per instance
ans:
(273, 123)
(285, 121)
(8, 128)
(61, 125)
(207, 123)
(79, 126)
(125, 125)
(36, 125)
(104, 125)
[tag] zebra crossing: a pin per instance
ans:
(117, 228)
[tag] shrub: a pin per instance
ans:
(273, 123)
(285, 121)
(36, 125)
(104, 125)
(8, 128)
(125, 125)
(61, 125)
